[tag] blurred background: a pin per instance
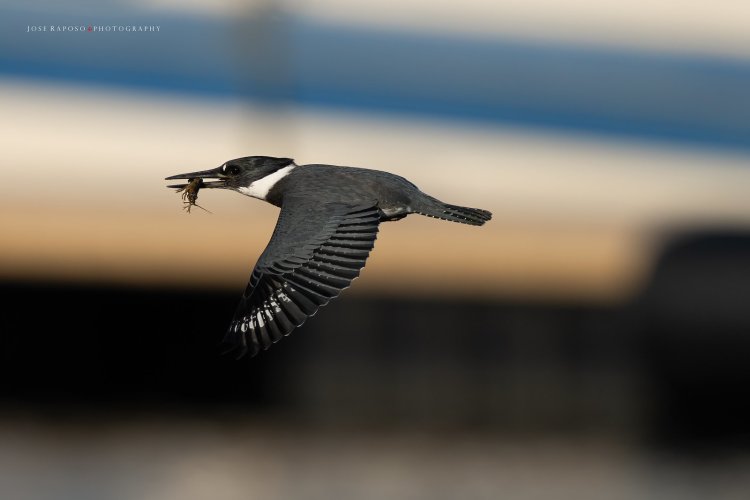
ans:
(591, 341)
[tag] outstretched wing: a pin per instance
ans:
(315, 252)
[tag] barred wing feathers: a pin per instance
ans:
(314, 253)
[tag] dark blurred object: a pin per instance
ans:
(670, 367)
(375, 362)
(696, 339)
(96, 346)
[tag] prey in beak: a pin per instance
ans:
(196, 183)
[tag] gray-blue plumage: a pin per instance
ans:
(326, 229)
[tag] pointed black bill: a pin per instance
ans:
(215, 173)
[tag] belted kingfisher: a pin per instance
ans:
(326, 229)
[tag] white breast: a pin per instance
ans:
(260, 188)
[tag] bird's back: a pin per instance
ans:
(334, 184)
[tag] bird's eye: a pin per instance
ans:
(232, 169)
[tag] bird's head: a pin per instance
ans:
(252, 175)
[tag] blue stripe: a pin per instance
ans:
(282, 59)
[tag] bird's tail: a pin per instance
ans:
(454, 213)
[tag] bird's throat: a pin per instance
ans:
(260, 188)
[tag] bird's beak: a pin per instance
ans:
(215, 173)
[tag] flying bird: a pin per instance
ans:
(326, 229)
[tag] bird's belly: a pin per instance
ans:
(388, 212)
(394, 213)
